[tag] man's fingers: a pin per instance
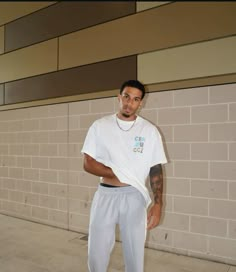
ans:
(152, 222)
(149, 216)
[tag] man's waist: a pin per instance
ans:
(112, 186)
(113, 182)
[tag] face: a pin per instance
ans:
(129, 102)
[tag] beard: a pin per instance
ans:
(125, 115)
(127, 111)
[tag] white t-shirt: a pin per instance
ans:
(130, 154)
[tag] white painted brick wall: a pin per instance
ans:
(42, 177)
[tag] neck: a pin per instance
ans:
(125, 117)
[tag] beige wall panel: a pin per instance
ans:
(95, 44)
(192, 83)
(10, 11)
(33, 60)
(115, 39)
(149, 4)
(186, 62)
(1, 40)
(163, 27)
(1, 94)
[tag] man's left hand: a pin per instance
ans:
(154, 216)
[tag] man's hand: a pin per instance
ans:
(154, 216)
(96, 168)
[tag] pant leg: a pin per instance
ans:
(133, 222)
(103, 220)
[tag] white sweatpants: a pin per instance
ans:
(126, 207)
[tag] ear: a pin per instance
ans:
(119, 97)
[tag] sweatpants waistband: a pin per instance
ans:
(117, 190)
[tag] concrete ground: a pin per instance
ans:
(32, 247)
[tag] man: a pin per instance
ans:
(123, 149)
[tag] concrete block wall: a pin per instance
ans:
(42, 178)
(33, 144)
(199, 129)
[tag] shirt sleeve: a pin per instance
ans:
(89, 146)
(158, 153)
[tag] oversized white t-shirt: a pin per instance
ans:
(130, 154)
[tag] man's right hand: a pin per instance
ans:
(96, 168)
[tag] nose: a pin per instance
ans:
(130, 101)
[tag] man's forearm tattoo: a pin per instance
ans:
(156, 182)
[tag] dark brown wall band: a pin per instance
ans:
(166, 86)
(62, 18)
(97, 77)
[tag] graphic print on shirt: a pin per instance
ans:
(139, 144)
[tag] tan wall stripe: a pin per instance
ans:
(30, 61)
(1, 94)
(149, 4)
(171, 25)
(192, 61)
(90, 78)
(1, 40)
(69, 17)
(191, 83)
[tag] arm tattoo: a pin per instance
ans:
(156, 182)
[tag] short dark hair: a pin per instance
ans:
(135, 84)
